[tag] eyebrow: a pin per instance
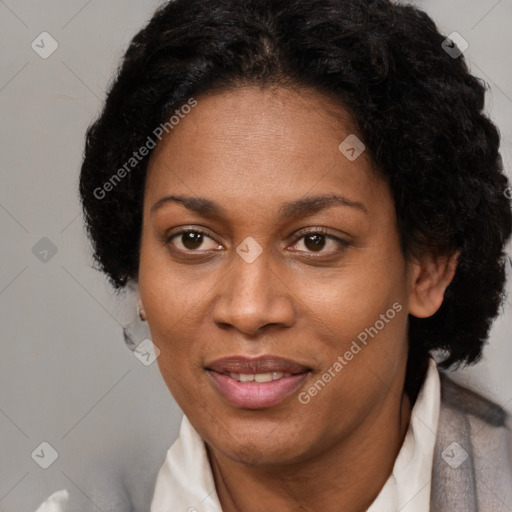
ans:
(300, 207)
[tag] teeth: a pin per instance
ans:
(263, 377)
(259, 377)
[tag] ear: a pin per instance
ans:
(140, 306)
(429, 279)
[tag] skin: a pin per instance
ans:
(250, 150)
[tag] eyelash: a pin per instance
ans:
(298, 236)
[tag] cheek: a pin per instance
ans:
(179, 339)
(167, 294)
(353, 296)
(170, 304)
(361, 311)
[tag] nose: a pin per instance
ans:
(253, 297)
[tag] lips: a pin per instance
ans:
(255, 383)
(261, 364)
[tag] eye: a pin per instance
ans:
(193, 240)
(313, 241)
(317, 240)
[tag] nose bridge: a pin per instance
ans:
(251, 296)
(252, 280)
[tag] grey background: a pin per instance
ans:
(66, 375)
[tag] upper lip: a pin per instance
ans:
(253, 365)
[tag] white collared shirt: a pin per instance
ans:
(185, 480)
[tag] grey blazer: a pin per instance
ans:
(482, 482)
(471, 469)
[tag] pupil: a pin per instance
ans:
(317, 242)
(192, 240)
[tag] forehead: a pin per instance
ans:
(261, 146)
(286, 120)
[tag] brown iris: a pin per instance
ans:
(314, 242)
(192, 240)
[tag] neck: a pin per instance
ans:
(352, 472)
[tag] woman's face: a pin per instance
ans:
(293, 253)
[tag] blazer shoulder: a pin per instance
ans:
(475, 406)
(472, 462)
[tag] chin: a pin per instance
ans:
(267, 451)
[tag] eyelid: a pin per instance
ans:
(168, 237)
(319, 230)
(184, 229)
(343, 242)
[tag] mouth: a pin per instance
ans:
(255, 383)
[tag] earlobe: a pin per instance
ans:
(140, 309)
(430, 278)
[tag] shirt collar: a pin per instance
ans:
(408, 487)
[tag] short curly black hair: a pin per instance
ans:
(416, 107)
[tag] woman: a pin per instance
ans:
(311, 203)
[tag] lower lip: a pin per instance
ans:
(256, 395)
